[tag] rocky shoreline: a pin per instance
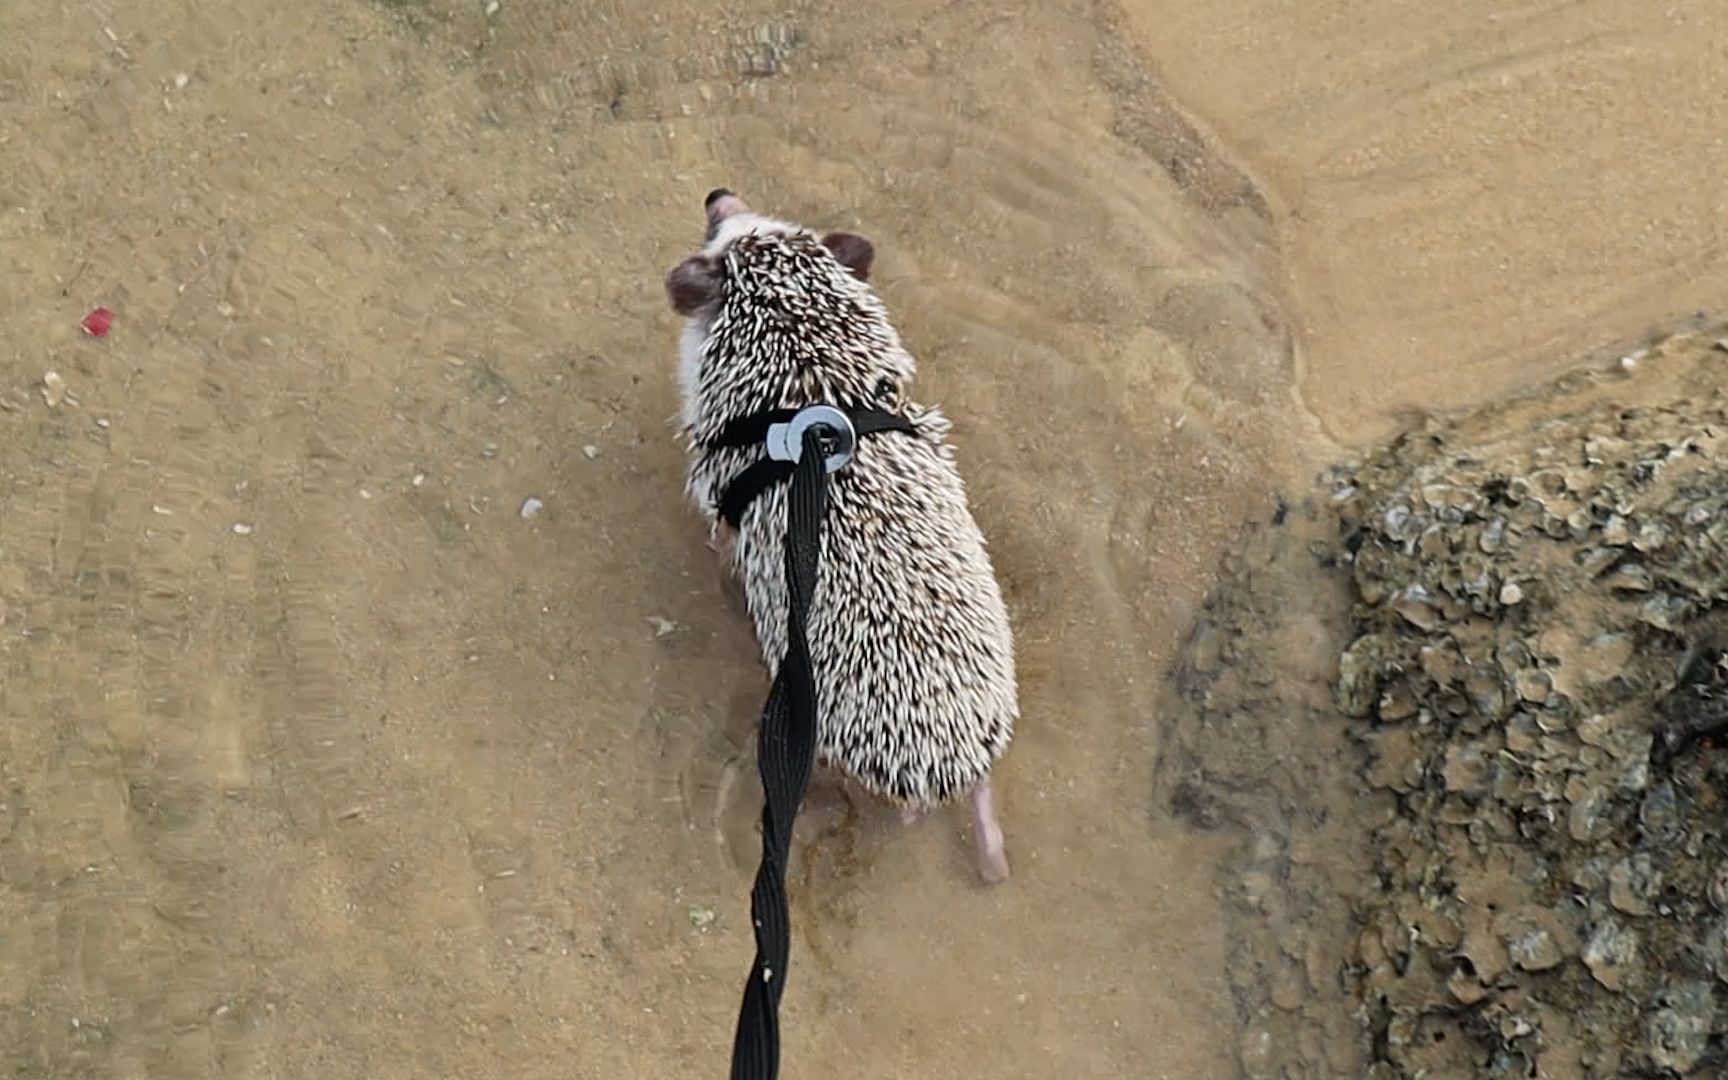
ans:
(1499, 849)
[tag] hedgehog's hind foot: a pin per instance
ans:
(987, 835)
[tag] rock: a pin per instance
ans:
(53, 389)
(1536, 683)
(1679, 1031)
(1254, 1053)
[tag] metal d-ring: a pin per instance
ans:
(786, 441)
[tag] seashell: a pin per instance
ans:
(1630, 577)
(1665, 611)
(1596, 560)
(1659, 815)
(1678, 1034)
(1400, 524)
(1653, 536)
(1611, 953)
(1359, 675)
(1493, 536)
(1587, 820)
(1632, 883)
(1533, 684)
(1415, 607)
(1535, 950)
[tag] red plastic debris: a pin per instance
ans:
(97, 322)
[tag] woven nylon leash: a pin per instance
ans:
(805, 445)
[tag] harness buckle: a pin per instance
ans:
(786, 441)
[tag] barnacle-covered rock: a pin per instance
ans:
(1490, 838)
(1546, 600)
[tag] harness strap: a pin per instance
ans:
(762, 475)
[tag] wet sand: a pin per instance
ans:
(396, 783)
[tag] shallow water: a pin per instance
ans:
(393, 782)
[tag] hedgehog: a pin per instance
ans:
(909, 636)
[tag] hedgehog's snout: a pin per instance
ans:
(720, 205)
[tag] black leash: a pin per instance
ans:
(805, 445)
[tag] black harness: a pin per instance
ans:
(804, 445)
(780, 431)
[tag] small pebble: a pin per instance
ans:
(590, 452)
(102, 422)
(701, 919)
(181, 80)
(242, 529)
(419, 479)
(492, 7)
(53, 389)
(531, 506)
(1511, 594)
(662, 627)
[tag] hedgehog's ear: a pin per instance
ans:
(854, 252)
(693, 285)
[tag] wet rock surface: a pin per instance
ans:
(1497, 848)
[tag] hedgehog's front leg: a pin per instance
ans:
(987, 835)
